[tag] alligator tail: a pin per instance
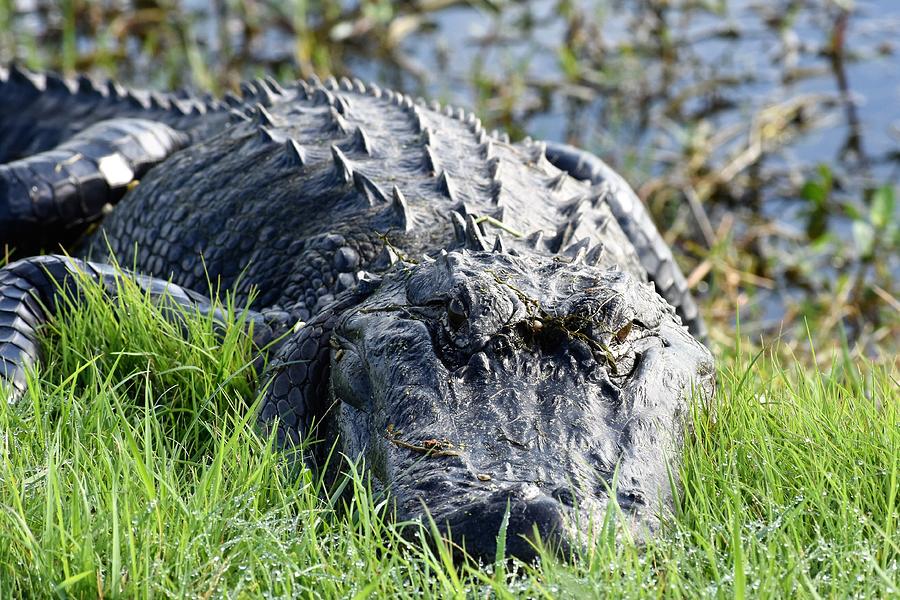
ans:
(38, 111)
(51, 197)
(32, 289)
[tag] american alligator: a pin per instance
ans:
(475, 318)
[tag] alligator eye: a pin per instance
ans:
(456, 313)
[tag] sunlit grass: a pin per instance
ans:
(133, 468)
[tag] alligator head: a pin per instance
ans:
(482, 383)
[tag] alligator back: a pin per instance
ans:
(297, 197)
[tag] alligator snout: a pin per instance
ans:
(533, 519)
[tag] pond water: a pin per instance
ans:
(721, 113)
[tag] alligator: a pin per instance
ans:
(497, 330)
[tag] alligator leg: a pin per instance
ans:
(31, 290)
(295, 387)
(52, 196)
(654, 253)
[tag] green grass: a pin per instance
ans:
(132, 468)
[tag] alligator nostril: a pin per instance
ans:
(529, 522)
(565, 496)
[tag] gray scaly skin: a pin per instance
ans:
(474, 323)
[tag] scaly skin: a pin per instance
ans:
(474, 322)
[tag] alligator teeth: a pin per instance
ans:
(294, 155)
(341, 164)
(302, 89)
(114, 90)
(601, 196)
(231, 100)
(500, 136)
(496, 192)
(431, 164)
(322, 96)
(211, 104)
(346, 84)
(267, 94)
(602, 224)
(338, 122)
(576, 206)
(264, 117)
(236, 116)
(539, 153)
(361, 142)
(535, 240)
(594, 254)
(331, 83)
(578, 250)
(459, 226)
(556, 183)
(499, 214)
(138, 101)
(385, 259)
(368, 278)
(159, 102)
(87, 86)
(446, 186)
(247, 90)
(494, 167)
(26, 78)
(417, 119)
(474, 235)
(179, 108)
(57, 84)
(274, 85)
(400, 208)
(499, 246)
(487, 149)
(564, 233)
(375, 91)
(368, 188)
(267, 136)
(341, 105)
(435, 106)
(359, 86)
